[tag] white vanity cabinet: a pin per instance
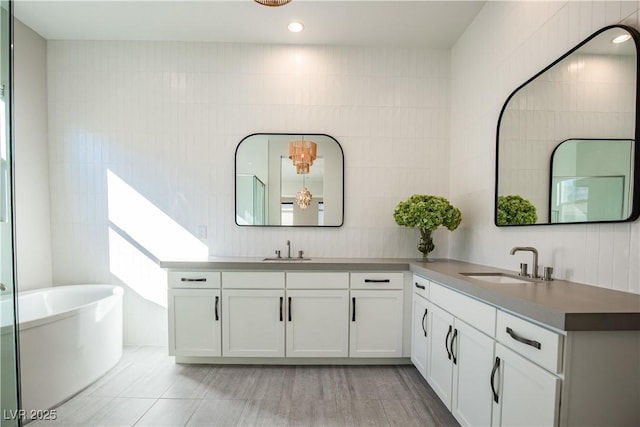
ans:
(420, 325)
(474, 351)
(495, 367)
(524, 380)
(253, 315)
(460, 360)
(286, 314)
(376, 316)
(253, 323)
(440, 363)
(458, 356)
(523, 393)
(194, 313)
(317, 314)
(481, 381)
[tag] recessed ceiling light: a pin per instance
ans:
(621, 38)
(295, 27)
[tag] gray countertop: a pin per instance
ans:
(561, 304)
(314, 264)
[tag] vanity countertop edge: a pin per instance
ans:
(560, 304)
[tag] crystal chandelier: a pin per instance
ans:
(272, 3)
(303, 197)
(302, 154)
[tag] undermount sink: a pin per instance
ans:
(495, 277)
(286, 259)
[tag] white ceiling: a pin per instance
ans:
(425, 23)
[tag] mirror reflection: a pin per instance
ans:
(289, 180)
(590, 180)
(565, 140)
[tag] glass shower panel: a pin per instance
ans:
(9, 390)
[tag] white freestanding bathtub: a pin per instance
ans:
(69, 337)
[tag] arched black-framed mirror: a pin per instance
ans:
(289, 180)
(590, 93)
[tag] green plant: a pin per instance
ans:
(427, 213)
(515, 210)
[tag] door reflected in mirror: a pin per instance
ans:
(588, 99)
(289, 180)
(591, 180)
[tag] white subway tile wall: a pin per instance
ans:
(507, 43)
(165, 118)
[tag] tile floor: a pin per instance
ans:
(147, 388)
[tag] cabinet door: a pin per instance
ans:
(194, 322)
(473, 362)
(419, 334)
(253, 323)
(440, 368)
(527, 394)
(376, 323)
(317, 323)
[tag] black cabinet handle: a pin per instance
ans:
(289, 309)
(426, 310)
(496, 365)
(453, 340)
(419, 286)
(353, 313)
(216, 307)
(281, 302)
(446, 341)
(377, 280)
(526, 341)
(186, 279)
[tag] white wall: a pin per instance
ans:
(506, 44)
(32, 220)
(165, 118)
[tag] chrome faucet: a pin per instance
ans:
(534, 273)
(288, 249)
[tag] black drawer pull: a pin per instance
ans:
(426, 310)
(281, 302)
(526, 341)
(496, 365)
(289, 309)
(353, 313)
(420, 286)
(216, 308)
(377, 280)
(453, 340)
(186, 279)
(446, 341)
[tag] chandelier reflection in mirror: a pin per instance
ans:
(302, 154)
(303, 197)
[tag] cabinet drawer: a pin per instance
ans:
(540, 345)
(420, 286)
(318, 280)
(253, 279)
(482, 316)
(194, 279)
(377, 280)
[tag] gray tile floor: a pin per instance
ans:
(147, 388)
